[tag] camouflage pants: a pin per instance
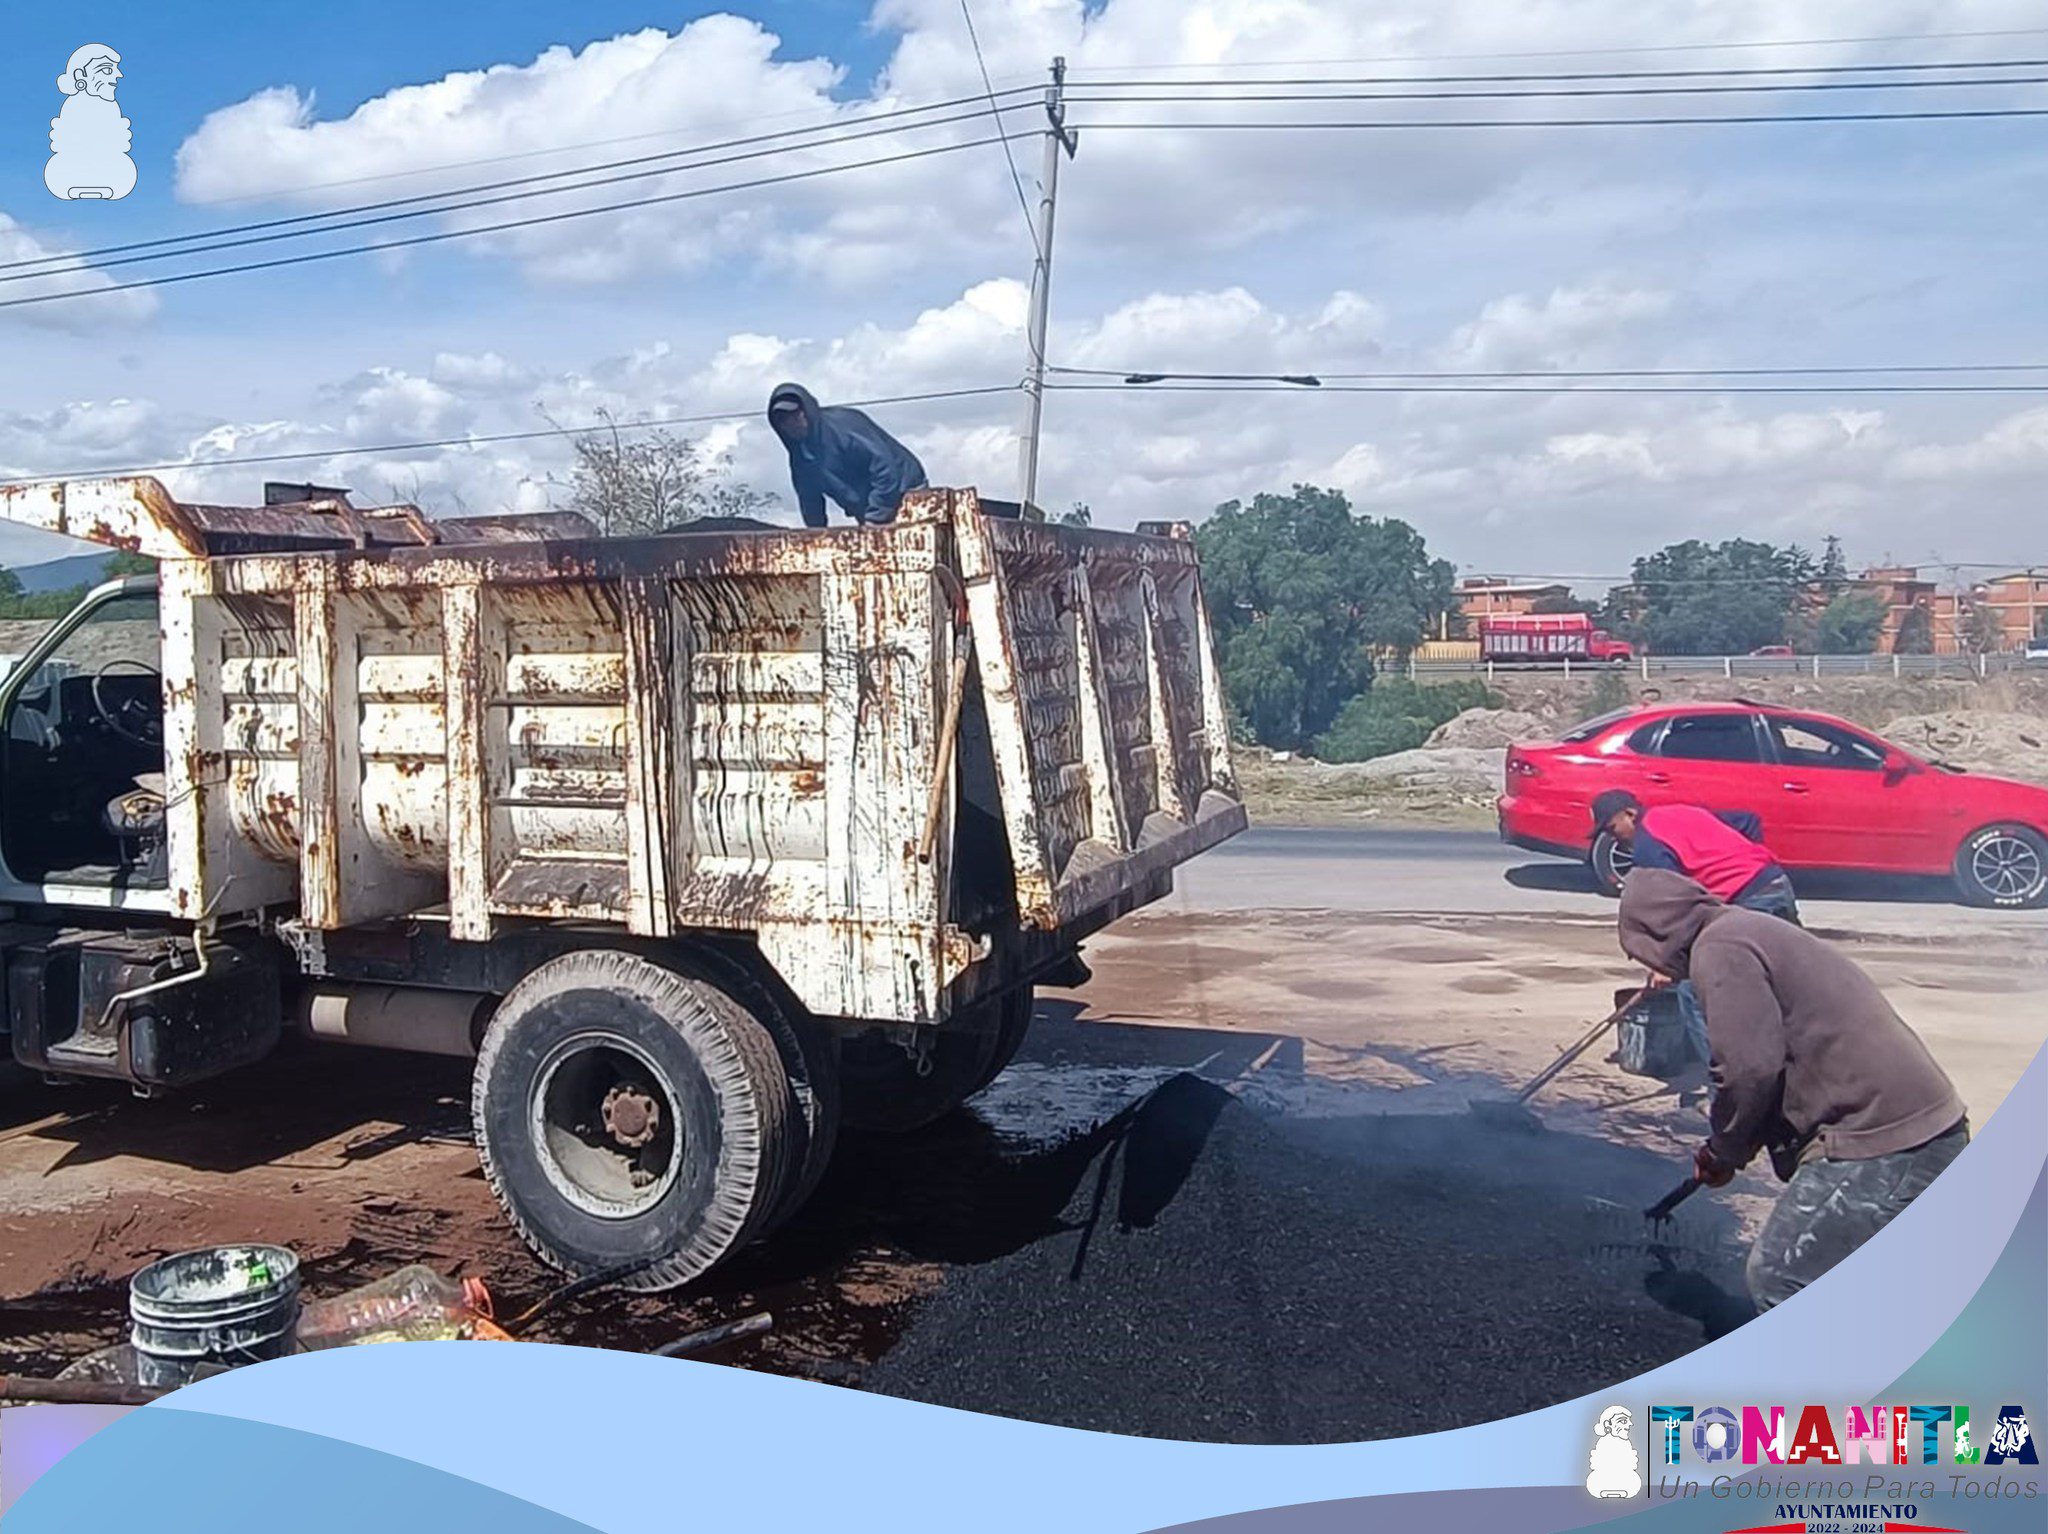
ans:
(1832, 1207)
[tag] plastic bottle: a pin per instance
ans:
(415, 1304)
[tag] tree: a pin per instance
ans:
(1301, 591)
(652, 481)
(1983, 633)
(1697, 598)
(1566, 604)
(10, 584)
(1834, 567)
(1850, 625)
(1916, 632)
(1077, 515)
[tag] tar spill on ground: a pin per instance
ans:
(1103, 1239)
(1215, 1273)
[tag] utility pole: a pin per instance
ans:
(1058, 139)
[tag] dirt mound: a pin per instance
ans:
(1217, 1274)
(2009, 745)
(1435, 771)
(1489, 728)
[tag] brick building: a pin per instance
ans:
(1481, 596)
(2020, 602)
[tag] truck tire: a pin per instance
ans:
(2004, 867)
(885, 1094)
(810, 1058)
(1609, 862)
(1019, 1006)
(630, 1119)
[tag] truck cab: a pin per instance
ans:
(82, 770)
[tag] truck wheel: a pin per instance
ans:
(631, 1119)
(2005, 866)
(810, 1058)
(1610, 862)
(1018, 1008)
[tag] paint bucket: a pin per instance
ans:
(222, 1305)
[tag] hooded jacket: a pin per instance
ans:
(1805, 1047)
(845, 457)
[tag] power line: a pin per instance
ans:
(1017, 181)
(601, 143)
(1590, 122)
(1655, 48)
(1569, 93)
(519, 223)
(1554, 76)
(191, 245)
(1276, 386)
(485, 439)
(1319, 376)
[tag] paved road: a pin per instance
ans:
(1472, 872)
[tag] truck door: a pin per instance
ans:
(82, 754)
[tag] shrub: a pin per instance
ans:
(1397, 715)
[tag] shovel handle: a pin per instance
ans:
(1660, 1211)
(1549, 1072)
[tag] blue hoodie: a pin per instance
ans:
(848, 458)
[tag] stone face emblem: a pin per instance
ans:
(89, 138)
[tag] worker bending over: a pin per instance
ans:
(1723, 849)
(1810, 1063)
(837, 452)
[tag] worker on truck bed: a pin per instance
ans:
(1723, 849)
(1810, 1063)
(836, 452)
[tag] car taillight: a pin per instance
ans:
(1522, 767)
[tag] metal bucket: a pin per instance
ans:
(222, 1305)
(1653, 1039)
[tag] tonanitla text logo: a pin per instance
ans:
(1820, 1469)
(1848, 1435)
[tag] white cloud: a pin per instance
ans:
(1131, 193)
(95, 310)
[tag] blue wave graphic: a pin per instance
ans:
(169, 1472)
(551, 1427)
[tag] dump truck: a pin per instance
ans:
(698, 844)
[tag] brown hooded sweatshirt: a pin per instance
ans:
(1803, 1041)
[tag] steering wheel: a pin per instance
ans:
(133, 719)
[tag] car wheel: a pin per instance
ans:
(1610, 862)
(2004, 866)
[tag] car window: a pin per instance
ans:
(1644, 741)
(1711, 738)
(1814, 743)
(1597, 725)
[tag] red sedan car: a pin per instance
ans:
(1830, 796)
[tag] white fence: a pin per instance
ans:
(1648, 666)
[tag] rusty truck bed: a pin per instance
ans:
(373, 717)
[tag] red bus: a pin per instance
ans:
(1542, 639)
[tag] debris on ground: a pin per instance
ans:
(2005, 745)
(1218, 1273)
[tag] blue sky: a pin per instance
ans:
(1531, 248)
